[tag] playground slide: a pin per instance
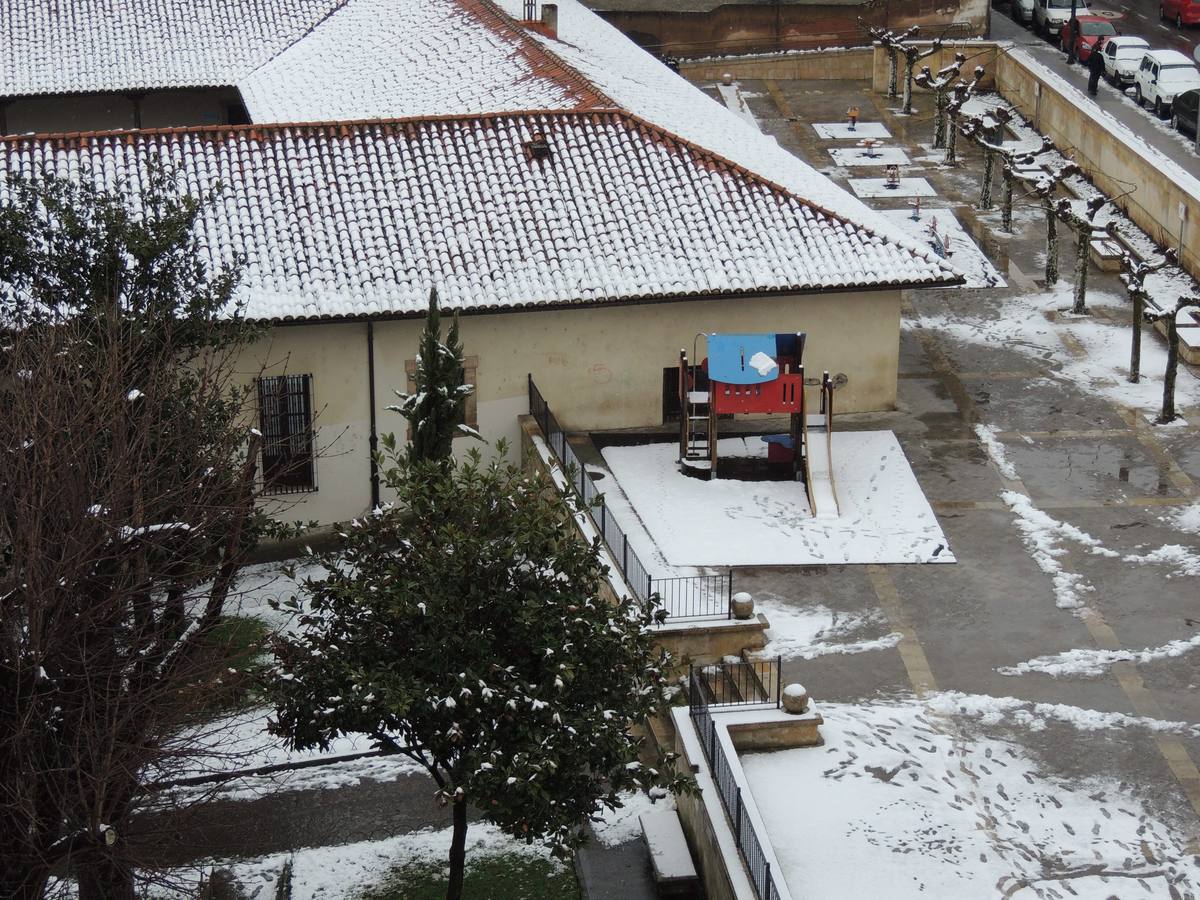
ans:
(820, 469)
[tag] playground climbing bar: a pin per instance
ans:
(689, 597)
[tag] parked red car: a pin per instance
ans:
(1181, 12)
(1093, 31)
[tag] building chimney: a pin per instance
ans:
(538, 147)
(550, 19)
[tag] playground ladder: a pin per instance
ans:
(695, 412)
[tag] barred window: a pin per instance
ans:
(285, 413)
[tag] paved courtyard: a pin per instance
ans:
(1082, 455)
(1065, 546)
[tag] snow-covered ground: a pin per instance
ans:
(841, 131)
(811, 631)
(884, 515)
(943, 811)
(1090, 662)
(347, 870)
(861, 156)
(240, 741)
(962, 252)
(1022, 323)
(872, 188)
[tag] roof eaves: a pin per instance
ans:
(582, 303)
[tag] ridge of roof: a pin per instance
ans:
(492, 15)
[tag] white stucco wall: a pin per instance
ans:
(599, 368)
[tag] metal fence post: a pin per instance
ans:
(729, 597)
(603, 519)
(778, 680)
(624, 553)
(766, 880)
(738, 819)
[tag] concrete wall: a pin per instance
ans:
(704, 29)
(977, 53)
(850, 64)
(1161, 189)
(599, 368)
(1112, 162)
(106, 112)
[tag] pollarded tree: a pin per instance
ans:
(913, 55)
(941, 85)
(127, 484)
(435, 409)
(464, 627)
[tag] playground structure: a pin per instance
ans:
(757, 374)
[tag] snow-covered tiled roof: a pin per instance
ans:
(641, 84)
(79, 46)
(357, 219)
(441, 57)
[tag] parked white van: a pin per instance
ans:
(1162, 75)
(1122, 56)
(1049, 16)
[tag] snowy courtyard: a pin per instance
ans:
(725, 522)
(944, 806)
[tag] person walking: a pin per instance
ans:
(1095, 66)
(1073, 26)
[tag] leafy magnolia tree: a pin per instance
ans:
(435, 410)
(126, 509)
(464, 627)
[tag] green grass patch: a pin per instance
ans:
(238, 641)
(506, 876)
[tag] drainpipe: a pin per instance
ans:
(374, 437)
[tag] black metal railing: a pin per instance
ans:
(691, 597)
(749, 843)
(737, 682)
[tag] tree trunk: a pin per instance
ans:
(951, 157)
(1006, 210)
(908, 78)
(989, 166)
(103, 878)
(891, 91)
(1084, 234)
(1135, 352)
(1168, 405)
(458, 852)
(939, 120)
(1051, 244)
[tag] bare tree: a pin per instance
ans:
(913, 55)
(1014, 160)
(1133, 275)
(963, 91)
(127, 506)
(1085, 228)
(1045, 188)
(941, 85)
(988, 135)
(1170, 315)
(891, 43)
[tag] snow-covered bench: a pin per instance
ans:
(674, 873)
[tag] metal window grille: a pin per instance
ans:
(285, 416)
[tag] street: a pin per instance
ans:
(1141, 21)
